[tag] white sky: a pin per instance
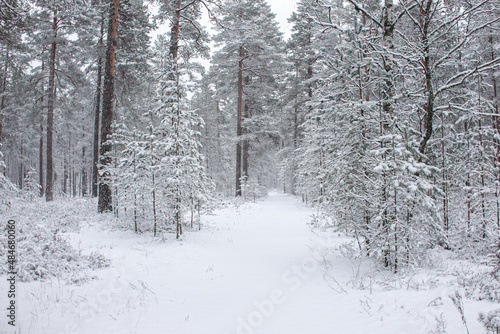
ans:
(283, 10)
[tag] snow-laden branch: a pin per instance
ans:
(465, 39)
(317, 19)
(361, 9)
(460, 78)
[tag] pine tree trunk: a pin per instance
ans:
(239, 121)
(244, 164)
(21, 167)
(445, 181)
(105, 195)
(4, 88)
(295, 133)
(468, 198)
(65, 174)
(245, 131)
(174, 34)
(153, 164)
(40, 157)
(84, 181)
(97, 116)
(481, 142)
(75, 177)
(49, 192)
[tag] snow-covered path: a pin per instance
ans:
(234, 280)
(257, 268)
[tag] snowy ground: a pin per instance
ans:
(253, 268)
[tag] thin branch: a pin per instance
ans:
(361, 9)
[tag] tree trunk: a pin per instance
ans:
(153, 164)
(65, 174)
(97, 116)
(83, 184)
(174, 34)
(21, 167)
(244, 157)
(40, 156)
(388, 38)
(496, 123)
(4, 88)
(105, 195)
(428, 79)
(238, 124)
(387, 112)
(49, 184)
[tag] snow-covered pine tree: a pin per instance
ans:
(248, 63)
(217, 134)
(181, 171)
(361, 158)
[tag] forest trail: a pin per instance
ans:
(250, 270)
(253, 268)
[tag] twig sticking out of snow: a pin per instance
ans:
(457, 301)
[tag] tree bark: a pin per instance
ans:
(40, 157)
(174, 34)
(388, 38)
(49, 183)
(245, 131)
(83, 184)
(496, 124)
(387, 107)
(428, 80)
(97, 116)
(4, 88)
(105, 196)
(238, 123)
(21, 167)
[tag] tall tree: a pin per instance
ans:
(105, 197)
(250, 59)
(97, 114)
(49, 183)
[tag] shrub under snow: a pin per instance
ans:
(42, 251)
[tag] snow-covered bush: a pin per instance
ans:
(43, 254)
(496, 259)
(252, 189)
(31, 187)
(7, 188)
(43, 251)
(479, 285)
(491, 321)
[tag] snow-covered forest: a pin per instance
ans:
(188, 166)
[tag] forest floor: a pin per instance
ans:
(253, 268)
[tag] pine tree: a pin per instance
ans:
(105, 196)
(248, 62)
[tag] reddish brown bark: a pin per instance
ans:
(105, 195)
(174, 35)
